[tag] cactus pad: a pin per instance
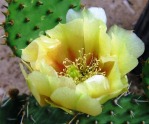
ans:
(27, 19)
(131, 110)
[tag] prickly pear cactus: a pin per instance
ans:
(27, 19)
(126, 110)
(145, 78)
(130, 111)
(44, 115)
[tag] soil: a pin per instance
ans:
(120, 12)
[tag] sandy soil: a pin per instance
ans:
(120, 12)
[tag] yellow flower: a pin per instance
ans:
(78, 65)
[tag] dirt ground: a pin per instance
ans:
(120, 12)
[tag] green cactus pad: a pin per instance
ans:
(145, 72)
(27, 19)
(133, 110)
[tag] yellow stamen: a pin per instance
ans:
(80, 70)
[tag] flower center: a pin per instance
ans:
(84, 67)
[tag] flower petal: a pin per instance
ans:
(47, 70)
(57, 106)
(91, 36)
(40, 82)
(58, 82)
(114, 76)
(89, 105)
(37, 50)
(97, 13)
(95, 37)
(65, 97)
(126, 61)
(67, 82)
(29, 56)
(117, 84)
(71, 37)
(104, 40)
(72, 14)
(133, 43)
(68, 98)
(42, 85)
(38, 97)
(127, 47)
(95, 86)
(91, 13)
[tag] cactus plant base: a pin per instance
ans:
(25, 109)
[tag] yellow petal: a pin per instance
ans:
(30, 53)
(89, 105)
(109, 96)
(104, 41)
(95, 37)
(58, 82)
(67, 82)
(133, 43)
(46, 69)
(115, 78)
(57, 106)
(34, 92)
(126, 61)
(47, 80)
(95, 86)
(68, 98)
(39, 82)
(71, 37)
(117, 84)
(48, 51)
(65, 97)
(115, 92)
(37, 50)
(47, 42)
(82, 89)
(127, 47)
(91, 33)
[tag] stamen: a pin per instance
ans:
(81, 69)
